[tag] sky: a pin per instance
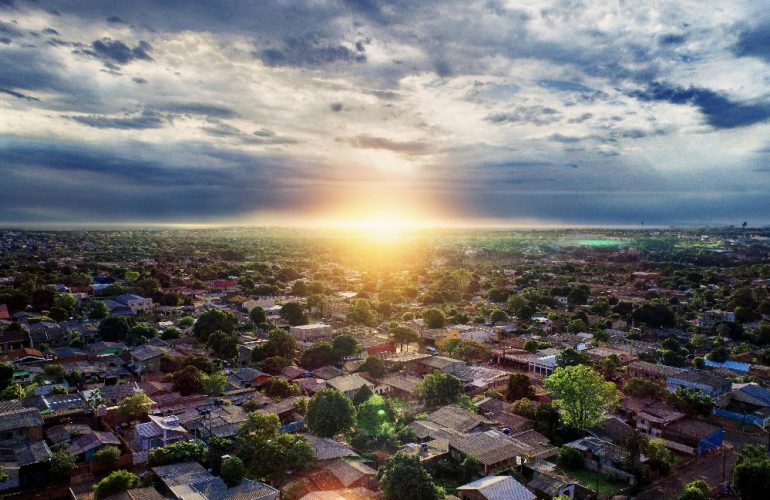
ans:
(554, 112)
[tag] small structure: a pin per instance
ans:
(495, 488)
(159, 431)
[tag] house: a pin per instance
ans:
(495, 488)
(146, 358)
(26, 462)
(250, 377)
(13, 340)
(327, 372)
(501, 412)
(651, 371)
(480, 379)
(340, 473)
(702, 381)
(18, 422)
(134, 302)
(692, 436)
(159, 431)
(432, 363)
(746, 403)
(400, 385)
(459, 419)
(542, 365)
(329, 449)
(86, 445)
(497, 451)
(349, 384)
(190, 481)
(605, 456)
(312, 333)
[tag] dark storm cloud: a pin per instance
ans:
(409, 148)
(217, 128)
(719, 111)
(199, 108)
(672, 39)
(19, 95)
(115, 20)
(754, 42)
(116, 52)
(101, 182)
(535, 115)
(563, 86)
(137, 121)
(310, 52)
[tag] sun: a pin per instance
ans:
(380, 225)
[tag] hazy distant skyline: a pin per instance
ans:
(552, 112)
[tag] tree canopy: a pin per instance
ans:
(582, 394)
(439, 388)
(330, 412)
(402, 477)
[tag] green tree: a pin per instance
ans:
(217, 448)
(62, 464)
(570, 458)
(696, 490)
(362, 395)
(582, 394)
(97, 309)
(258, 315)
(404, 335)
(345, 345)
(402, 477)
(519, 386)
(66, 302)
(214, 320)
(373, 416)
(268, 454)
(117, 482)
(439, 388)
(6, 375)
(114, 329)
(188, 380)
(171, 333)
(374, 366)
(659, 457)
(642, 388)
(214, 384)
(274, 364)
(361, 312)
(232, 471)
(224, 345)
(107, 455)
(134, 406)
(577, 296)
(181, 451)
(141, 333)
(571, 357)
(751, 474)
(434, 318)
(691, 401)
(278, 387)
(294, 313)
(330, 412)
(318, 355)
(467, 350)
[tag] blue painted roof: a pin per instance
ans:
(758, 392)
(730, 365)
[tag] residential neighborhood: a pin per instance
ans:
(242, 365)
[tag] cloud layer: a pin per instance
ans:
(565, 112)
